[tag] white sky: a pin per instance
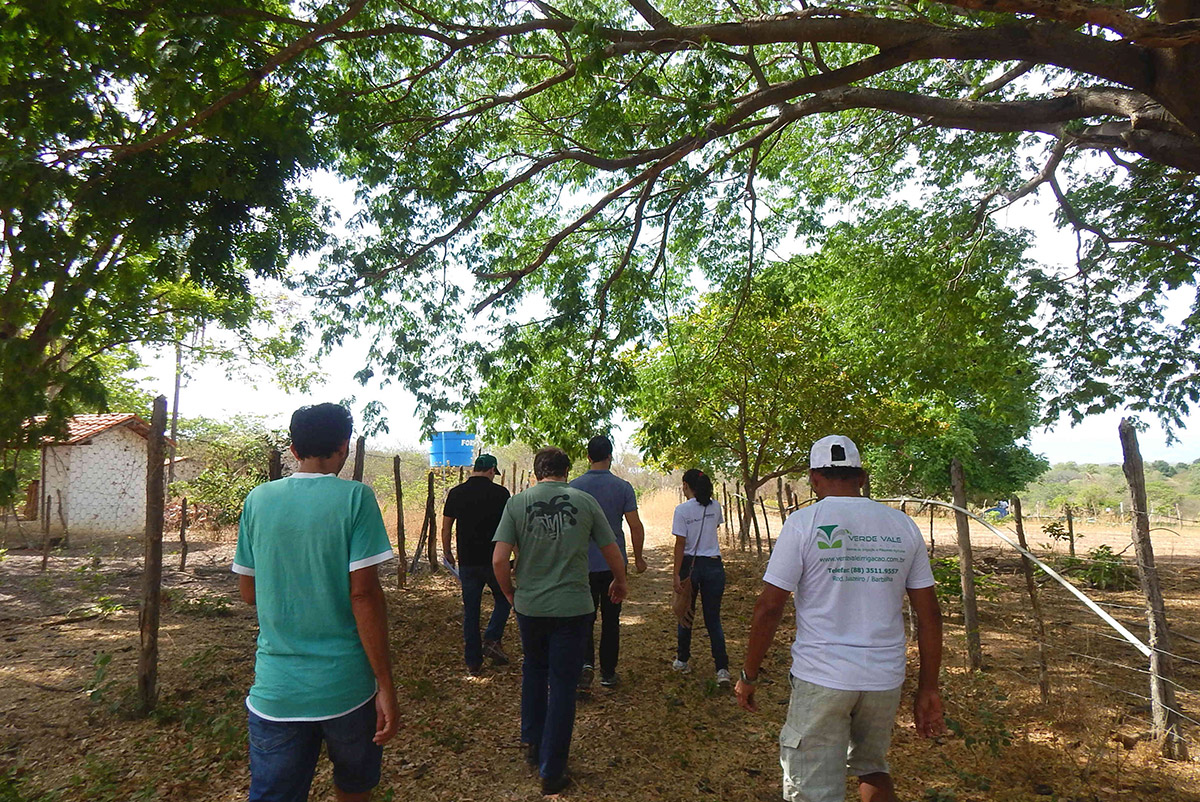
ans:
(211, 394)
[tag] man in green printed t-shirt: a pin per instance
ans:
(308, 551)
(550, 525)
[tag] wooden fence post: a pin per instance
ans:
(1035, 604)
(148, 615)
(766, 524)
(966, 567)
(514, 479)
(183, 524)
(783, 513)
(1165, 715)
(431, 542)
(402, 567)
(46, 536)
(1070, 530)
(360, 455)
(754, 522)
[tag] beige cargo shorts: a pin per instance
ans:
(831, 733)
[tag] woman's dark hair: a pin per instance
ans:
(551, 461)
(320, 430)
(700, 484)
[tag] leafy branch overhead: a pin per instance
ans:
(561, 151)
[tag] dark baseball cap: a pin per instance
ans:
(486, 462)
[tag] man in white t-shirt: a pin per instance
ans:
(850, 561)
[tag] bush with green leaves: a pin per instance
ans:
(1102, 569)
(235, 454)
(948, 582)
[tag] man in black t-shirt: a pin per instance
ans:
(477, 505)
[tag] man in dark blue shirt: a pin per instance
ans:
(618, 501)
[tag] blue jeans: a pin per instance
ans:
(549, 676)
(708, 582)
(473, 578)
(283, 754)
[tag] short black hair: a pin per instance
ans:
(551, 461)
(841, 473)
(319, 430)
(599, 448)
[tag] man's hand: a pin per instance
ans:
(639, 564)
(928, 714)
(618, 590)
(448, 558)
(387, 714)
(745, 696)
(678, 584)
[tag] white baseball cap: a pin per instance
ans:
(834, 451)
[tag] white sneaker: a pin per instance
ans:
(680, 666)
(724, 677)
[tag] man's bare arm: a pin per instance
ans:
(370, 616)
(447, 525)
(927, 706)
(246, 588)
(500, 556)
(618, 590)
(637, 539)
(768, 611)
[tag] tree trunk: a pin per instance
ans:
(360, 455)
(752, 518)
(402, 566)
(1165, 714)
(1034, 603)
(966, 568)
(783, 513)
(175, 413)
(274, 465)
(152, 570)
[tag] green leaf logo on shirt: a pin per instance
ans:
(825, 538)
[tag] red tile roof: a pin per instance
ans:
(85, 427)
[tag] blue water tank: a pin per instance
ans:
(452, 449)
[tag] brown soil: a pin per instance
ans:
(659, 735)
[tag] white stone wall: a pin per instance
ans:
(108, 485)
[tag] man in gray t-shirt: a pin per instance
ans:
(617, 500)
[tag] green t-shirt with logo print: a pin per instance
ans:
(551, 525)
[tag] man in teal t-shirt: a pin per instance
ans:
(308, 551)
(550, 525)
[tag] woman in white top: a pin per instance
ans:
(698, 555)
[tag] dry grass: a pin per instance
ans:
(658, 736)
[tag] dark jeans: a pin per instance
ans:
(474, 577)
(283, 754)
(610, 625)
(708, 582)
(549, 676)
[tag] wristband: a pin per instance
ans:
(747, 681)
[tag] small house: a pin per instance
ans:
(93, 480)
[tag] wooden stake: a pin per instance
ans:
(148, 615)
(360, 455)
(1164, 713)
(46, 535)
(1034, 603)
(754, 520)
(1070, 531)
(430, 530)
(183, 524)
(402, 567)
(966, 567)
(766, 524)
